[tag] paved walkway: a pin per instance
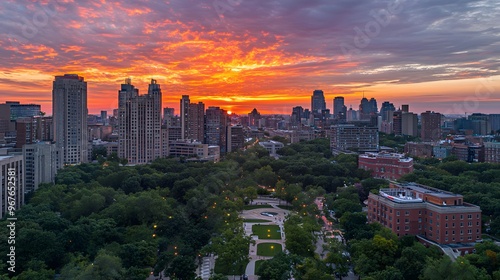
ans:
(275, 220)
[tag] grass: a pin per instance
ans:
(256, 221)
(229, 270)
(267, 231)
(251, 207)
(268, 249)
(257, 265)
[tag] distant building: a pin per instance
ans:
(422, 150)
(318, 103)
(69, 114)
(409, 124)
(184, 107)
(194, 150)
(254, 118)
(196, 121)
(297, 114)
(492, 152)
(349, 137)
(431, 126)
(216, 124)
(339, 109)
(271, 146)
(386, 165)
(11, 167)
(387, 110)
(495, 122)
(235, 138)
(25, 131)
(14, 110)
(140, 123)
(429, 213)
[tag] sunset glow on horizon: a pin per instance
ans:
(269, 55)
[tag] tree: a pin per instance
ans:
(104, 267)
(445, 269)
(182, 267)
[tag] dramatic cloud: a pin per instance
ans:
(270, 54)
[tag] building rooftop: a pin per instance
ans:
(401, 157)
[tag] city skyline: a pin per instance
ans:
(269, 55)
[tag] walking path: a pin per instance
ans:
(275, 220)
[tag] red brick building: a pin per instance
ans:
(413, 209)
(386, 165)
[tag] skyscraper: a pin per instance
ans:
(69, 112)
(140, 138)
(297, 113)
(184, 106)
(431, 126)
(196, 121)
(216, 127)
(387, 110)
(318, 103)
(339, 109)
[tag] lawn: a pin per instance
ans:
(256, 221)
(251, 207)
(267, 231)
(268, 249)
(257, 265)
(229, 270)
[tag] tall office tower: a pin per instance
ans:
(386, 111)
(297, 113)
(318, 103)
(405, 108)
(431, 126)
(306, 114)
(196, 121)
(140, 123)
(373, 106)
(364, 109)
(69, 113)
(216, 124)
(104, 117)
(339, 109)
(168, 113)
(184, 106)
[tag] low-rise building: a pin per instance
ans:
(271, 146)
(194, 150)
(386, 165)
(433, 214)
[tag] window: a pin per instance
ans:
(461, 217)
(446, 217)
(397, 213)
(407, 213)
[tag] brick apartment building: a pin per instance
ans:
(413, 209)
(386, 165)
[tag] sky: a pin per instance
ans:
(441, 55)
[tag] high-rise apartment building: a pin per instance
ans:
(431, 126)
(318, 103)
(184, 107)
(216, 124)
(353, 138)
(297, 114)
(69, 113)
(196, 121)
(41, 162)
(11, 167)
(409, 124)
(235, 138)
(140, 137)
